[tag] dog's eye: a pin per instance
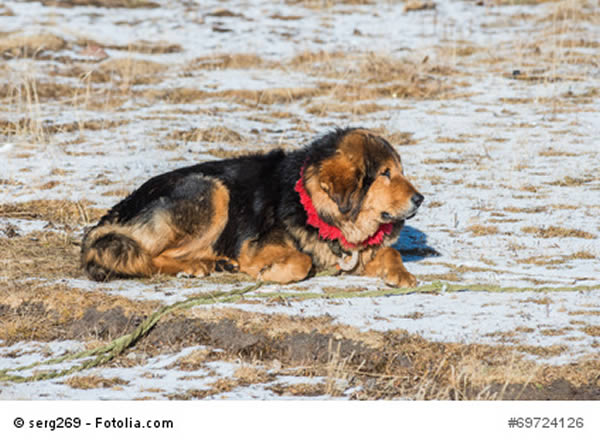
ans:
(386, 173)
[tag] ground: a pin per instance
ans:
(493, 106)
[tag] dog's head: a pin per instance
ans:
(359, 185)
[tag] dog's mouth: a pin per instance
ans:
(410, 215)
(389, 218)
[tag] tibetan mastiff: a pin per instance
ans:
(339, 202)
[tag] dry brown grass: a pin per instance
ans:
(504, 220)
(29, 126)
(125, 72)
(400, 138)
(555, 332)
(554, 260)
(320, 4)
(5, 11)
(538, 301)
(594, 331)
(228, 61)
(542, 351)
(448, 276)
(83, 125)
(317, 60)
(40, 92)
(54, 211)
(217, 134)
(300, 389)
(50, 253)
(585, 312)
(15, 45)
(248, 97)
(465, 268)
(38, 311)
(526, 210)
(94, 382)
(581, 43)
(370, 76)
(344, 108)
(522, 2)
(483, 230)
(571, 181)
(418, 5)
(245, 375)
(556, 232)
(450, 140)
(550, 152)
(572, 12)
(194, 360)
(498, 369)
(354, 85)
(249, 375)
(142, 46)
(102, 3)
(227, 153)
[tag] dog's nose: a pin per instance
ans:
(417, 199)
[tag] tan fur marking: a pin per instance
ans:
(280, 263)
(193, 254)
(341, 176)
(354, 144)
(156, 234)
(172, 266)
(130, 264)
(151, 238)
(387, 264)
(337, 178)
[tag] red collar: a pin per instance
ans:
(328, 232)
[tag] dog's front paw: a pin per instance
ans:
(387, 264)
(198, 268)
(400, 278)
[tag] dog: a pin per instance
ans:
(339, 202)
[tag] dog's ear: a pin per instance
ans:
(340, 177)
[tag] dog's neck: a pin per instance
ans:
(329, 232)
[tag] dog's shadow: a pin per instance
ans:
(413, 245)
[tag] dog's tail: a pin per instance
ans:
(108, 252)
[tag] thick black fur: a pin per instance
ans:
(261, 192)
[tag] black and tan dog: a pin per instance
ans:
(341, 201)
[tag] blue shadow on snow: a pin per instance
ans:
(413, 245)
